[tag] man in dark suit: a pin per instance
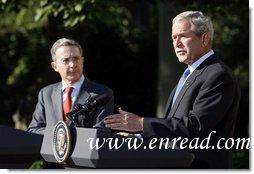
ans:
(205, 99)
(56, 100)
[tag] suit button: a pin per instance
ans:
(187, 84)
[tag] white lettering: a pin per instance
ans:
(166, 144)
(207, 140)
(185, 140)
(238, 141)
(95, 144)
(218, 144)
(153, 141)
(114, 144)
(134, 143)
(195, 141)
(229, 141)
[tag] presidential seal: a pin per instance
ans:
(61, 142)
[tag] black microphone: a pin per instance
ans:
(75, 109)
(80, 113)
(93, 102)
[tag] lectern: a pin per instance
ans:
(84, 155)
(18, 149)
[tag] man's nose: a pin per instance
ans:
(72, 63)
(178, 42)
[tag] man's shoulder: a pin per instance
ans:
(213, 65)
(218, 69)
(51, 87)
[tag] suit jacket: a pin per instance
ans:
(49, 109)
(207, 102)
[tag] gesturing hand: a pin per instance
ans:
(124, 121)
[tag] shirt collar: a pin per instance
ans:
(76, 85)
(193, 66)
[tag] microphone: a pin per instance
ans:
(80, 113)
(93, 102)
(75, 109)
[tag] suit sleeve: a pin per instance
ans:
(213, 100)
(38, 122)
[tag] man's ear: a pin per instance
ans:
(54, 66)
(205, 39)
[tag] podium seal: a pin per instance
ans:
(61, 142)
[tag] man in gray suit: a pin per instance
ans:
(205, 99)
(56, 100)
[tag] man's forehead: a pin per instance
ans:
(68, 51)
(182, 25)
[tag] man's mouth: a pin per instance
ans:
(72, 72)
(181, 52)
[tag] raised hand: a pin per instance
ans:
(124, 121)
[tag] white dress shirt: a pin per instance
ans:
(75, 91)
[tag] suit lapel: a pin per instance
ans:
(169, 102)
(57, 101)
(83, 94)
(189, 82)
(57, 98)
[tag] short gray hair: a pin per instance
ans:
(200, 24)
(64, 42)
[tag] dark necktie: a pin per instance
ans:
(68, 102)
(180, 84)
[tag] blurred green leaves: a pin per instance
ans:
(75, 12)
(20, 70)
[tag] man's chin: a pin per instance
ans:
(181, 59)
(73, 79)
(184, 60)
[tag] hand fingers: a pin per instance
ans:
(112, 117)
(115, 126)
(112, 120)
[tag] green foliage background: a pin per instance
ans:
(120, 39)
